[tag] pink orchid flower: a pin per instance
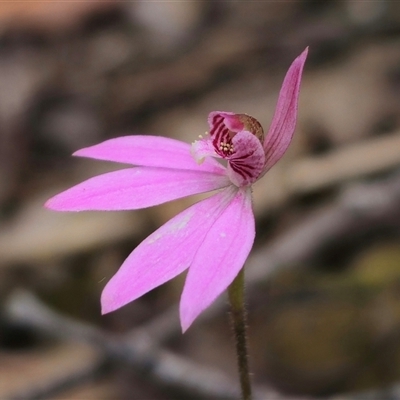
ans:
(213, 237)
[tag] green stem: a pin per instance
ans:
(238, 314)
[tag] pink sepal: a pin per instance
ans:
(284, 121)
(219, 258)
(134, 188)
(149, 151)
(165, 253)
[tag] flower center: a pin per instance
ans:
(226, 148)
(224, 126)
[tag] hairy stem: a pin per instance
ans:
(238, 314)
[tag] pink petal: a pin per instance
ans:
(149, 151)
(134, 188)
(284, 121)
(220, 257)
(247, 162)
(165, 253)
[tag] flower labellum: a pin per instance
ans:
(212, 238)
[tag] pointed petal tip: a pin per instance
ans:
(105, 309)
(47, 204)
(184, 327)
(186, 321)
(303, 56)
(59, 203)
(300, 60)
(296, 68)
(284, 121)
(188, 312)
(107, 305)
(79, 153)
(51, 204)
(89, 150)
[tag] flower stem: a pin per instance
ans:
(238, 314)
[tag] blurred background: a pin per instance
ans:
(323, 280)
